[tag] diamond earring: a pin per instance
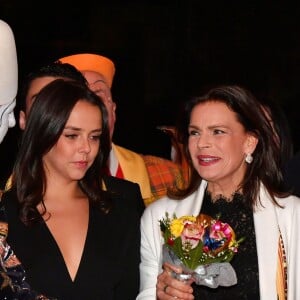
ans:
(249, 158)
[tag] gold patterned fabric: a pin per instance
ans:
(13, 284)
(281, 276)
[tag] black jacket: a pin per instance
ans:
(109, 267)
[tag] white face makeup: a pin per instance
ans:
(8, 78)
(7, 118)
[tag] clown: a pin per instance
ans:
(8, 79)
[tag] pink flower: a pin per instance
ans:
(192, 234)
(220, 231)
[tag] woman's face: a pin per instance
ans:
(218, 143)
(78, 145)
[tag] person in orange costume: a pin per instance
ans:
(153, 174)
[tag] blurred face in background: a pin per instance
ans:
(98, 85)
(34, 88)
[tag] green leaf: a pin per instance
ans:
(195, 255)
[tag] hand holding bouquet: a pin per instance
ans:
(202, 246)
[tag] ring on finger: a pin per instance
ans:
(165, 288)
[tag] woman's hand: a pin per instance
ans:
(167, 287)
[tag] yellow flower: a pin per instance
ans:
(177, 225)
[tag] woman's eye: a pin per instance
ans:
(71, 136)
(218, 131)
(193, 132)
(95, 137)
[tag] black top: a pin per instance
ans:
(109, 267)
(245, 262)
(123, 188)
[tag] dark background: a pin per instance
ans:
(164, 53)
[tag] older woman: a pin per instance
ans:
(236, 172)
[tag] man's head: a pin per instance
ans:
(8, 78)
(39, 78)
(99, 72)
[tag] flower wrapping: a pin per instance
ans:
(202, 246)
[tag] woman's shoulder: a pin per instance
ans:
(291, 202)
(121, 208)
(126, 191)
(163, 202)
(158, 208)
(112, 181)
(167, 202)
(189, 205)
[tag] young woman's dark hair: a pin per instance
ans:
(266, 167)
(46, 121)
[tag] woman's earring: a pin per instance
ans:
(249, 158)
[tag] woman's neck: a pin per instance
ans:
(227, 194)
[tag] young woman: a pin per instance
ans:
(75, 239)
(235, 165)
(34, 82)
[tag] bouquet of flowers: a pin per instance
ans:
(202, 246)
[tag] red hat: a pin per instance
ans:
(92, 62)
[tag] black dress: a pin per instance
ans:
(109, 267)
(245, 262)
